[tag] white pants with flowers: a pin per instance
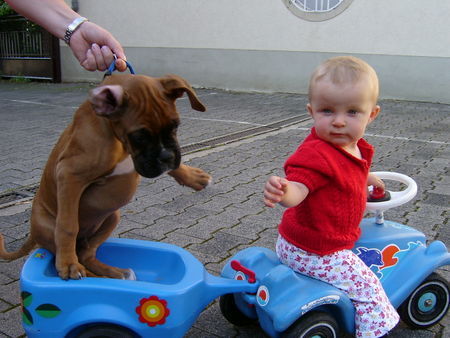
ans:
(374, 315)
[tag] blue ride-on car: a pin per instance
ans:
(289, 304)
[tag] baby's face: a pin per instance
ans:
(341, 112)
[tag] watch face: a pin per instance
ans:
(317, 10)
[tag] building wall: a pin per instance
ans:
(259, 45)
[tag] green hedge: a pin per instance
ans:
(5, 9)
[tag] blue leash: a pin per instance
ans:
(112, 68)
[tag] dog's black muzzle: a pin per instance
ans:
(153, 156)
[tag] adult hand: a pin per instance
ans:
(93, 46)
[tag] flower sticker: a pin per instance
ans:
(262, 295)
(240, 276)
(43, 310)
(40, 255)
(27, 298)
(152, 311)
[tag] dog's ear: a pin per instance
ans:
(107, 100)
(175, 86)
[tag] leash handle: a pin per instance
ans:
(112, 67)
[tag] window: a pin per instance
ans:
(317, 10)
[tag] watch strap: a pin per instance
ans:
(72, 28)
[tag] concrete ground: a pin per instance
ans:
(241, 140)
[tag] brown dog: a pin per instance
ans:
(127, 128)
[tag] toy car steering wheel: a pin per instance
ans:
(397, 197)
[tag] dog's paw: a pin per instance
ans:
(71, 271)
(198, 179)
(129, 275)
(191, 177)
(125, 274)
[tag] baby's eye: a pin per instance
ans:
(352, 112)
(326, 111)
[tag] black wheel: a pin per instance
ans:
(314, 324)
(105, 331)
(427, 304)
(232, 313)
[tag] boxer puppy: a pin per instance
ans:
(126, 129)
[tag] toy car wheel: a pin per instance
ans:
(314, 324)
(427, 304)
(232, 313)
(105, 331)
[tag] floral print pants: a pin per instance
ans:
(374, 315)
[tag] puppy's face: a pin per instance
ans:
(144, 117)
(154, 153)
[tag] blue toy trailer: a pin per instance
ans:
(171, 290)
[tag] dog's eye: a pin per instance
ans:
(171, 129)
(139, 138)
(175, 125)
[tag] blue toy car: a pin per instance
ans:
(293, 305)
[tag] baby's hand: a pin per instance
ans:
(375, 181)
(274, 190)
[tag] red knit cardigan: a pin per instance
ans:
(328, 219)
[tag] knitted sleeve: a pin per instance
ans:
(309, 166)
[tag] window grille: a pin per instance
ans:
(317, 10)
(317, 5)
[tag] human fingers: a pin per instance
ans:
(271, 200)
(89, 34)
(377, 182)
(116, 48)
(99, 58)
(272, 195)
(275, 181)
(89, 61)
(108, 58)
(283, 183)
(269, 203)
(273, 187)
(121, 65)
(380, 183)
(107, 54)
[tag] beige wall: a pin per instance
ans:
(261, 45)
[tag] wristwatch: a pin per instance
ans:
(72, 28)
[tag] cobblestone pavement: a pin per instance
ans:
(410, 138)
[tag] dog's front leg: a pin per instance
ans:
(69, 190)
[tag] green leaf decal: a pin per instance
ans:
(27, 298)
(48, 310)
(26, 317)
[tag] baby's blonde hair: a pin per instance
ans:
(345, 69)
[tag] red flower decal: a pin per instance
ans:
(152, 311)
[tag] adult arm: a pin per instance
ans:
(92, 45)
